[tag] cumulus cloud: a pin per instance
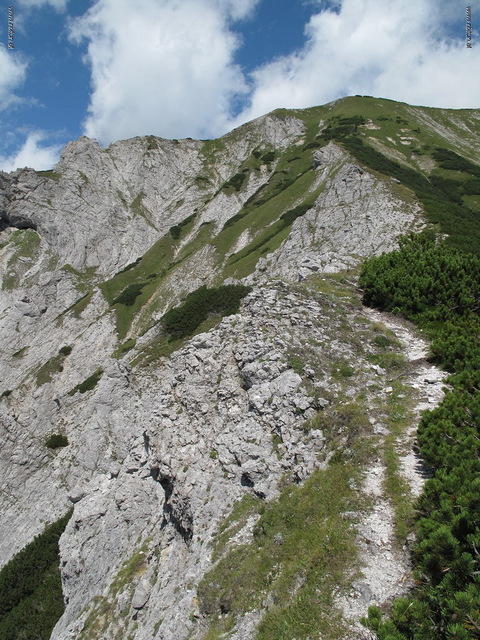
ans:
(12, 75)
(390, 48)
(161, 66)
(33, 153)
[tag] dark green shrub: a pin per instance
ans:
(31, 599)
(182, 321)
(130, 266)
(176, 231)
(151, 143)
(66, 350)
(292, 214)
(129, 294)
(88, 384)
(450, 160)
(235, 182)
(268, 157)
(438, 287)
(56, 441)
(233, 219)
(440, 198)
(338, 127)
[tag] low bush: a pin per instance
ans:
(441, 199)
(88, 384)
(129, 294)
(438, 288)
(66, 350)
(292, 214)
(56, 441)
(339, 127)
(31, 599)
(182, 321)
(235, 182)
(450, 160)
(176, 231)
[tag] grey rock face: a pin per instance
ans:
(157, 456)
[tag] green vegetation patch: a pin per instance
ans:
(56, 441)
(438, 287)
(88, 384)
(84, 280)
(79, 306)
(301, 551)
(130, 288)
(341, 127)
(31, 599)
(138, 209)
(49, 173)
(20, 353)
(441, 199)
(182, 321)
(235, 183)
(103, 613)
(248, 506)
(177, 230)
(25, 244)
(53, 366)
(124, 348)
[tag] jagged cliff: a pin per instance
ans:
(164, 435)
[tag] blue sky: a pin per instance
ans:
(112, 69)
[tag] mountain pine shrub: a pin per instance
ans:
(438, 288)
(31, 599)
(182, 321)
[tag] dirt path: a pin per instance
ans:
(385, 565)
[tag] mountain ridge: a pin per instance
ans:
(165, 434)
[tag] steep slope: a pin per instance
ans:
(163, 435)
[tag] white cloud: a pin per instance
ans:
(12, 75)
(390, 48)
(32, 154)
(161, 66)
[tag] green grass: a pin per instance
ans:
(301, 552)
(78, 307)
(244, 508)
(342, 369)
(142, 276)
(397, 488)
(103, 613)
(49, 173)
(138, 209)
(163, 345)
(52, 366)
(25, 244)
(124, 348)
(182, 227)
(84, 280)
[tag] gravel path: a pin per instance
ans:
(385, 566)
